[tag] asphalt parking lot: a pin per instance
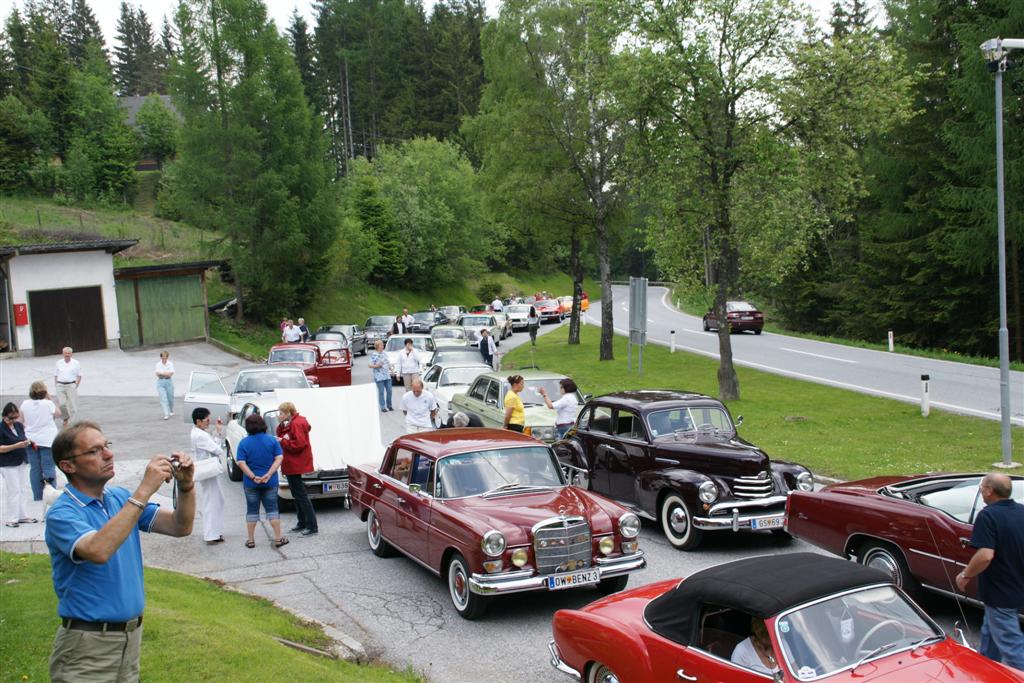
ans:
(398, 610)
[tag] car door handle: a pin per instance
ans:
(964, 542)
(681, 675)
(376, 486)
(401, 501)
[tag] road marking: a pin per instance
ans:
(817, 355)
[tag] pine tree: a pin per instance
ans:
(17, 44)
(127, 69)
(302, 50)
(83, 29)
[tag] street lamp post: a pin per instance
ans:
(996, 51)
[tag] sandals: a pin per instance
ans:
(28, 520)
(13, 525)
(281, 541)
(250, 544)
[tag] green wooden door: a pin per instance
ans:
(172, 309)
(127, 314)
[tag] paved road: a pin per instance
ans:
(957, 387)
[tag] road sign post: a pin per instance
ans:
(637, 321)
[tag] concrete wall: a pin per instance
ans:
(33, 272)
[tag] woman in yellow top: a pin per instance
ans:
(515, 413)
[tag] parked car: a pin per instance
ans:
(378, 327)
(330, 367)
(480, 308)
(206, 389)
(742, 316)
(916, 529)
(826, 620)
(549, 310)
(675, 458)
(452, 312)
(423, 348)
(504, 325)
(425, 321)
(322, 336)
(485, 399)
(448, 335)
(518, 314)
(456, 354)
(491, 513)
(474, 322)
(353, 334)
(446, 380)
(565, 303)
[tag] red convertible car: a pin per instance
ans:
(489, 511)
(915, 529)
(788, 618)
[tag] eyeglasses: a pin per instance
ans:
(98, 450)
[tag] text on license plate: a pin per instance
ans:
(746, 317)
(572, 580)
(336, 487)
(766, 523)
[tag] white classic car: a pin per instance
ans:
(447, 379)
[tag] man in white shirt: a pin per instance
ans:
(292, 334)
(496, 305)
(164, 383)
(408, 364)
(407, 318)
(420, 408)
(66, 380)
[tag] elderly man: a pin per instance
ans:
(419, 407)
(291, 334)
(998, 564)
(92, 532)
(66, 380)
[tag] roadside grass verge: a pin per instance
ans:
(834, 432)
(194, 631)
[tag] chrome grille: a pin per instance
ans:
(758, 486)
(562, 545)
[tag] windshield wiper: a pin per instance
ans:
(927, 639)
(874, 653)
(504, 487)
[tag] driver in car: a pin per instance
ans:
(755, 652)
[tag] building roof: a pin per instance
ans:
(132, 104)
(162, 269)
(108, 245)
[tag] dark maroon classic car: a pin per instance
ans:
(675, 457)
(742, 316)
(489, 511)
(916, 529)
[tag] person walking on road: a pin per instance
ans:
(303, 330)
(66, 380)
(259, 456)
(998, 565)
(14, 468)
(382, 372)
(532, 324)
(293, 435)
(565, 407)
(164, 383)
(515, 411)
(211, 496)
(92, 532)
(496, 305)
(420, 408)
(407, 318)
(408, 364)
(487, 347)
(38, 413)
(291, 334)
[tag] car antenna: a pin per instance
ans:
(945, 570)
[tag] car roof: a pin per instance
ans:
(271, 368)
(761, 586)
(443, 442)
(456, 365)
(654, 399)
(299, 345)
(526, 373)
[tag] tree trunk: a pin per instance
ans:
(576, 268)
(605, 264)
(239, 313)
(725, 275)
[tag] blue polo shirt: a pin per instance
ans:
(259, 452)
(1000, 526)
(89, 591)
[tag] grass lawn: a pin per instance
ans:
(834, 432)
(194, 631)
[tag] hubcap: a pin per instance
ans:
(677, 520)
(374, 528)
(458, 585)
(886, 563)
(606, 676)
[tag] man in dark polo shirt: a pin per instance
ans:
(92, 532)
(999, 565)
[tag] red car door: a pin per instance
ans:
(696, 666)
(414, 508)
(393, 494)
(334, 369)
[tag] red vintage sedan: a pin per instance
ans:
(915, 529)
(325, 363)
(489, 511)
(789, 618)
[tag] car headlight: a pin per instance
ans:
(804, 481)
(543, 433)
(520, 557)
(708, 492)
(629, 525)
(493, 543)
(606, 545)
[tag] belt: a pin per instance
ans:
(564, 424)
(65, 382)
(103, 626)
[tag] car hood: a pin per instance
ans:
(944, 661)
(514, 514)
(732, 457)
(449, 390)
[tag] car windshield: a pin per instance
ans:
(449, 333)
(475, 320)
(423, 316)
(835, 634)
(531, 394)
(379, 321)
(457, 354)
(732, 306)
(292, 356)
(963, 499)
(689, 421)
(470, 474)
(336, 336)
(264, 380)
(450, 311)
(547, 303)
(460, 376)
(514, 310)
(419, 343)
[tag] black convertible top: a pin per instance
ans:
(760, 586)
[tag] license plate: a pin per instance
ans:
(766, 523)
(589, 577)
(746, 317)
(336, 487)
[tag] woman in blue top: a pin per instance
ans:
(259, 456)
(381, 376)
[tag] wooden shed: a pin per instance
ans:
(163, 304)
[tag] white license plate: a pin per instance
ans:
(336, 487)
(591, 576)
(767, 523)
(746, 317)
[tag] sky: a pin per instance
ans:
(280, 11)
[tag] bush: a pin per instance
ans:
(488, 289)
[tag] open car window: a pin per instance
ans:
(422, 473)
(723, 632)
(402, 466)
(491, 397)
(601, 420)
(629, 426)
(962, 500)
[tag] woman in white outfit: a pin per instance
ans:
(14, 468)
(210, 494)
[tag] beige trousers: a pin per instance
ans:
(95, 657)
(67, 395)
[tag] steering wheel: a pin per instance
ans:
(707, 427)
(863, 651)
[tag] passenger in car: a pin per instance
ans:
(755, 652)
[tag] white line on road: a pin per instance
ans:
(817, 355)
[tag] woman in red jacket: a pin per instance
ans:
(293, 433)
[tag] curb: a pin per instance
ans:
(232, 350)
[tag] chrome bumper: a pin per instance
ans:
(739, 514)
(556, 661)
(527, 580)
(314, 488)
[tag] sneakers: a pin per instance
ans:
(297, 528)
(167, 417)
(308, 532)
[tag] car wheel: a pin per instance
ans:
(890, 560)
(757, 331)
(375, 538)
(599, 673)
(707, 328)
(234, 471)
(612, 585)
(468, 604)
(677, 523)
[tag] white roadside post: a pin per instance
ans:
(892, 346)
(672, 341)
(926, 403)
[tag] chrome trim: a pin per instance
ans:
(936, 557)
(526, 580)
(666, 461)
(553, 520)
(734, 522)
(556, 661)
(760, 502)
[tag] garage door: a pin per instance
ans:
(67, 317)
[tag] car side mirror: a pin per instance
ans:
(414, 488)
(587, 397)
(739, 421)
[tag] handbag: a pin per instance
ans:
(207, 468)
